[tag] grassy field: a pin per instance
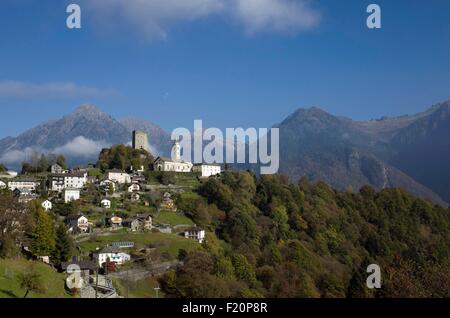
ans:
(94, 172)
(52, 281)
(190, 195)
(186, 180)
(132, 209)
(181, 179)
(170, 243)
(140, 289)
(172, 218)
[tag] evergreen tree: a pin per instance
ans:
(42, 164)
(64, 246)
(61, 160)
(118, 161)
(43, 235)
(27, 168)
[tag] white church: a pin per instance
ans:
(173, 164)
(177, 165)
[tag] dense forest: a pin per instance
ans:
(271, 238)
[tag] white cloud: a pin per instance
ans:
(281, 16)
(153, 18)
(17, 156)
(55, 89)
(81, 147)
(78, 148)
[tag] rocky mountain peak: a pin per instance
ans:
(88, 111)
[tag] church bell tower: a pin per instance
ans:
(176, 151)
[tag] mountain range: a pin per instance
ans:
(411, 151)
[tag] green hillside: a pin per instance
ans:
(282, 239)
(10, 270)
(170, 243)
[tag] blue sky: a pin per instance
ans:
(232, 63)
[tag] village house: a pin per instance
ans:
(195, 233)
(138, 170)
(59, 182)
(167, 203)
(24, 195)
(75, 180)
(44, 259)
(77, 223)
(86, 268)
(115, 222)
(135, 197)
(138, 179)
(3, 185)
(57, 169)
(90, 265)
(47, 205)
(146, 220)
(111, 254)
(105, 203)
(133, 224)
(23, 183)
(206, 170)
(107, 184)
(70, 195)
(118, 176)
(134, 188)
(83, 170)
